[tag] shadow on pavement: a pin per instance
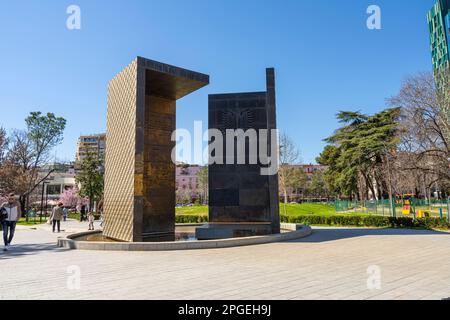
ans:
(19, 250)
(332, 234)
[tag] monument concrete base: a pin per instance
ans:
(212, 231)
(158, 237)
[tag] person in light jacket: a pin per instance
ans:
(57, 215)
(13, 214)
(91, 219)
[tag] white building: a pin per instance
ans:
(58, 182)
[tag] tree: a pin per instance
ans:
(3, 144)
(357, 151)
(28, 150)
(337, 181)
(425, 126)
(202, 178)
(183, 196)
(90, 178)
(18, 165)
(70, 197)
(296, 180)
(3, 150)
(289, 155)
(43, 133)
(318, 186)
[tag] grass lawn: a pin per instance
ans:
(31, 222)
(192, 211)
(307, 209)
(303, 209)
(74, 215)
(291, 209)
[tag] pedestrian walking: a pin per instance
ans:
(91, 219)
(65, 213)
(11, 213)
(82, 213)
(57, 215)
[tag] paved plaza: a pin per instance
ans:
(330, 264)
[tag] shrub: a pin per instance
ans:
(185, 218)
(367, 221)
(430, 223)
(376, 221)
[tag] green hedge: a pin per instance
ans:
(342, 220)
(368, 221)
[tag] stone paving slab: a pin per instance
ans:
(330, 264)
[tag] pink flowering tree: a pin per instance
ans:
(82, 201)
(71, 198)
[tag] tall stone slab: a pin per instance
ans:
(139, 197)
(242, 201)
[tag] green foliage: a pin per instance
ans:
(90, 178)
(74, 215)
(202, 178)
(29, 222)
(181, 218)
(368, 221)
(318, 186)
(339, 220)
(296, 178)
(358, 148)
(44, 132)
(323, 214)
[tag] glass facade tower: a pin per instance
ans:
(439, 26)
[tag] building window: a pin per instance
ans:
(54, 189)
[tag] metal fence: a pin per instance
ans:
(413, 208)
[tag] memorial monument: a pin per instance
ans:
(139, 195)
(242, 201)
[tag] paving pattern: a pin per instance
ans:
(333, 263)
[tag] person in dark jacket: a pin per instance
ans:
(82, 213)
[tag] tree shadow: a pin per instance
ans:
(20, 250)
(333, 234)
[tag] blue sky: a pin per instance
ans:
(326, 59)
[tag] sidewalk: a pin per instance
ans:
(67, 227)
(333, 263)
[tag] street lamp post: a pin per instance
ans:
(42, 199)
(46, 201)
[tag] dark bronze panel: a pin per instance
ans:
(139, 173)
(239, 193)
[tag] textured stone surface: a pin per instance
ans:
(120, 156)
(139, 173)
(238, 192)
